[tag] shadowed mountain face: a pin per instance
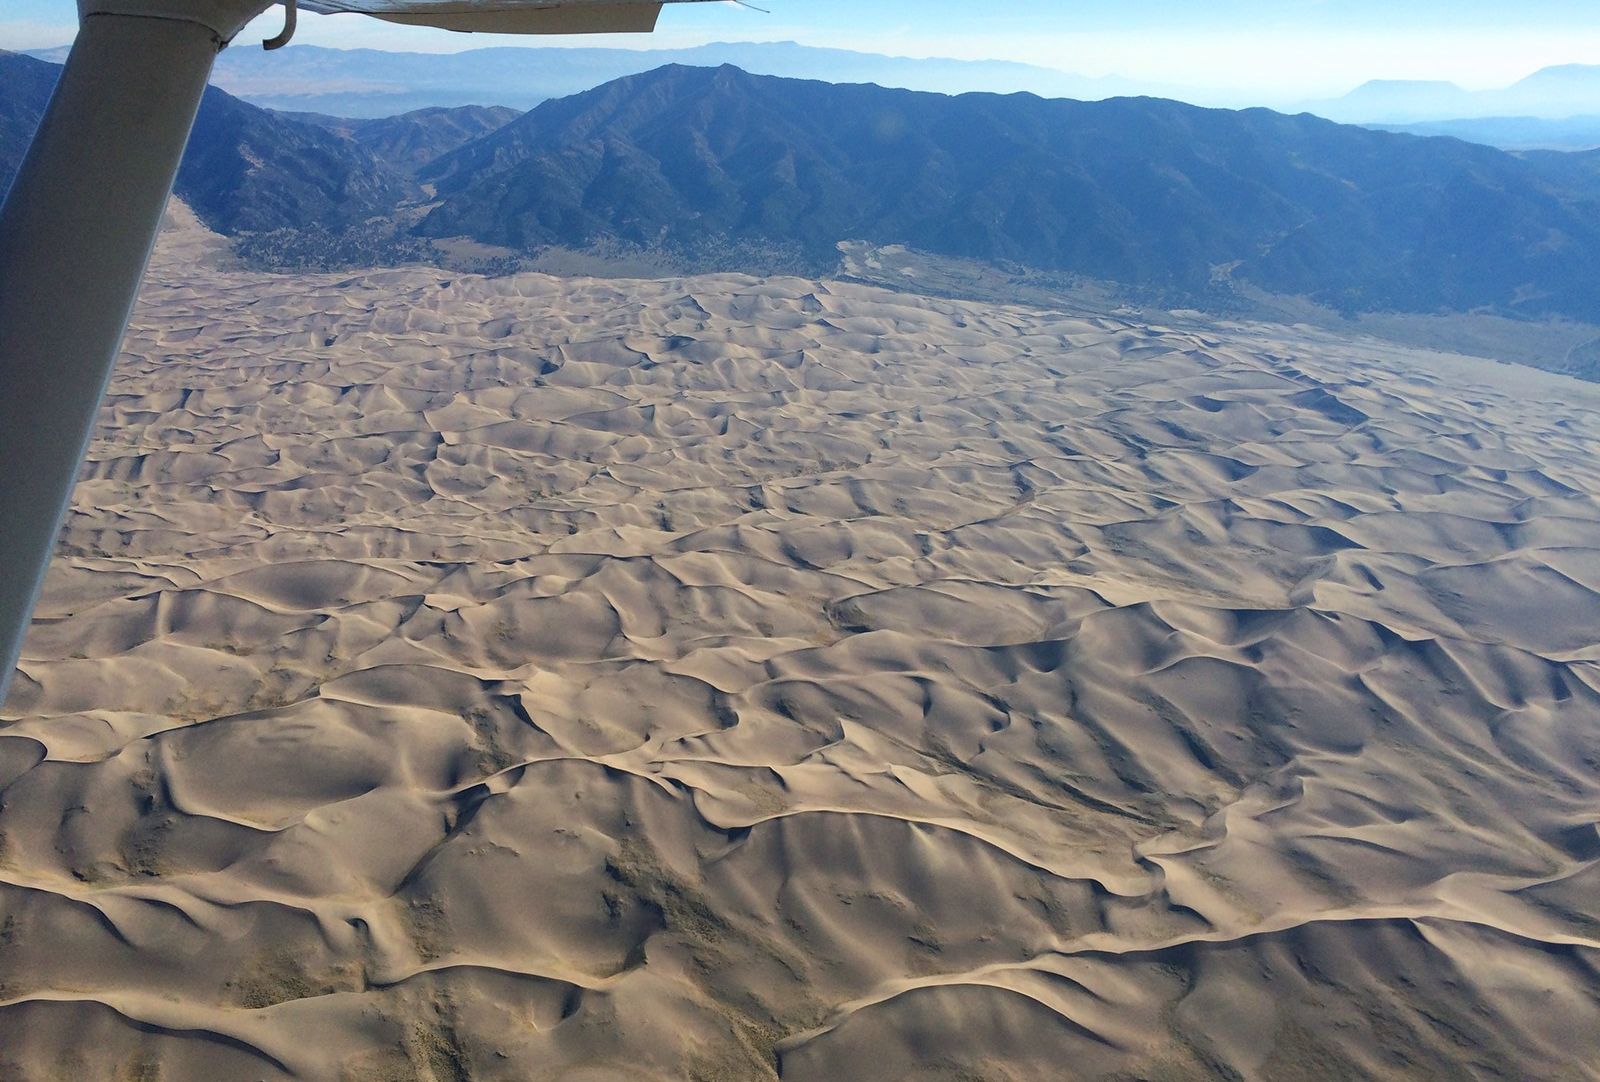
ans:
(1134, 190)
(249, 170)
(246, 168)
(25, 85)
(412, 140)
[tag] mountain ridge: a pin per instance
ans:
(366, 83)
(719, 167)
(248, 169)
(1135, 190)
(411, 140)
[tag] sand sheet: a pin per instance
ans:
(446, 678)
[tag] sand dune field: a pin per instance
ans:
(723, 678)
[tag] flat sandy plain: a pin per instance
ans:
(726, 678)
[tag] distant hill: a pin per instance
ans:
(1133, 190)
(1513, 132)
(1562, 91)
(1557, 93)
(1398, 100)
(411, 140)
(373, 83)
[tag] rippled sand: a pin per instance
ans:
(722, 678)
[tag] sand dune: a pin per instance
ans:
(447, 678)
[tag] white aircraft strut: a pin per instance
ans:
(82, 215)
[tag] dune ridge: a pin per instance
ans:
(728, 678)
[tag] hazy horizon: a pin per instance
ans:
(1244, 49)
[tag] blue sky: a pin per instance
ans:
(1273, 47)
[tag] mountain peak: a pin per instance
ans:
(1406, 85)
(1586, 75)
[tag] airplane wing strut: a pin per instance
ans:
(78, 224)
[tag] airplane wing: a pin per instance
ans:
(508, 16)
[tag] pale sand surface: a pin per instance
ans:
(447, 678)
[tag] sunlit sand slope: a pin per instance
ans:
(722, 678)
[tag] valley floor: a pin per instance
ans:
(724, 678)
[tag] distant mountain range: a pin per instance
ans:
(1141, 191)
(1513, 132)
(1557, 93)
(372, 83)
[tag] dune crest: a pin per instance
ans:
(728, 678)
